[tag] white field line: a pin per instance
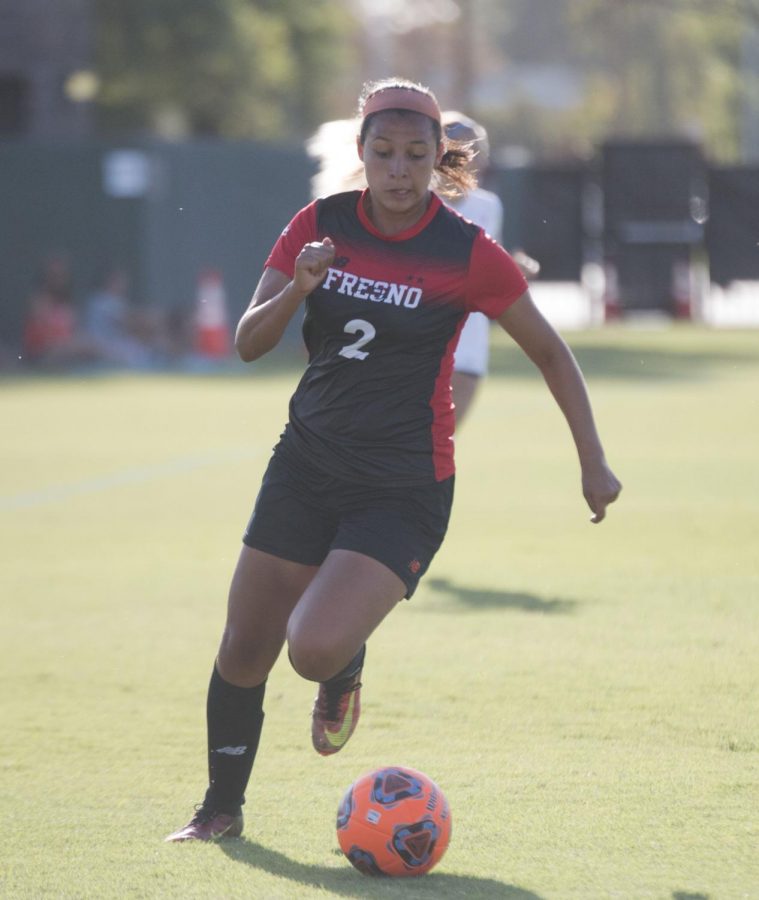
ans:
(56, 493)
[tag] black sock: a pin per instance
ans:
(350, 670)
(235, 717)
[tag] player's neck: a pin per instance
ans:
(390, 222)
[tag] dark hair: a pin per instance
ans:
(452, 175)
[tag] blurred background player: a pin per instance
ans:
(333, 147)
(52, 336)
(484, 208)
(125, 334)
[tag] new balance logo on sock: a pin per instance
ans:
(232, 751)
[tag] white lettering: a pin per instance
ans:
(348, 283)
(363, 284)
(369, 289)
(395, 294)
(412, 298)
(332, 274)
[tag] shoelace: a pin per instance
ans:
(333, 694)
(203, 815)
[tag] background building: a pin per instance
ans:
(46, 79)
(168, 138)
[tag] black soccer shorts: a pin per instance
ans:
(301, 514)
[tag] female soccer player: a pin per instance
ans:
(356, 498)
(333, 146)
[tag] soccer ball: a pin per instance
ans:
(394, 821)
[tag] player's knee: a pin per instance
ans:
(239, 659)
(311, 657)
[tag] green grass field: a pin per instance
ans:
(587, 696)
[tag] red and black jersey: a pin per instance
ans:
(374, 403)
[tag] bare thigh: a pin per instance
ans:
(344, 602)
(263, 594)
(464, 388)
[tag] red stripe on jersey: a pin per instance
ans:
(434, 205)
(443, 414)
(299, 232)
(495, 280)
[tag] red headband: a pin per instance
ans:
(402, 98)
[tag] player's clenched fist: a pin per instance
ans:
(600, 487)
(312, 263)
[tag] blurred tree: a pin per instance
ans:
(747, 10)
(575, 71)
(233, 68)
(666, 67)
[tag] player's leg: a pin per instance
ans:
(327, 633)
(470, 363)
(263, 592)
(346, 600)
(464, 387)
(286, 539)
(262, 596)
(384, 544)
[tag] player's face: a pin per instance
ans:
(399, 154)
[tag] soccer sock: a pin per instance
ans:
(235, 717)
(351, 669)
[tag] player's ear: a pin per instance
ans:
(440, 153)
(359, 148)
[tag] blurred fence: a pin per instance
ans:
(732, 232)
(654, 216)
(543, 208)
(164, 212)
(168, 212)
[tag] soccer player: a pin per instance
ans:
(484, 208)
(333, 148)
(356, 498)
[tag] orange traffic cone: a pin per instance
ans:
(611, 299)
(682, 289)
(213, 338)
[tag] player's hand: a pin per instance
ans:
(600, 487)
(528, 266)
(312, 264)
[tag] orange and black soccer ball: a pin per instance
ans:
(394, 821)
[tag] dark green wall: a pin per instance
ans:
(208, 205)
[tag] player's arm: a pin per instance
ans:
(276, 299)
(527, 326)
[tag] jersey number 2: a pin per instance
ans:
(367, 331)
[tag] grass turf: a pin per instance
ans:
(585, 695)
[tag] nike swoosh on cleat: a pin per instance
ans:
(338, 738)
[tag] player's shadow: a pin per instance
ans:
(480, 598)
(346, 881)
